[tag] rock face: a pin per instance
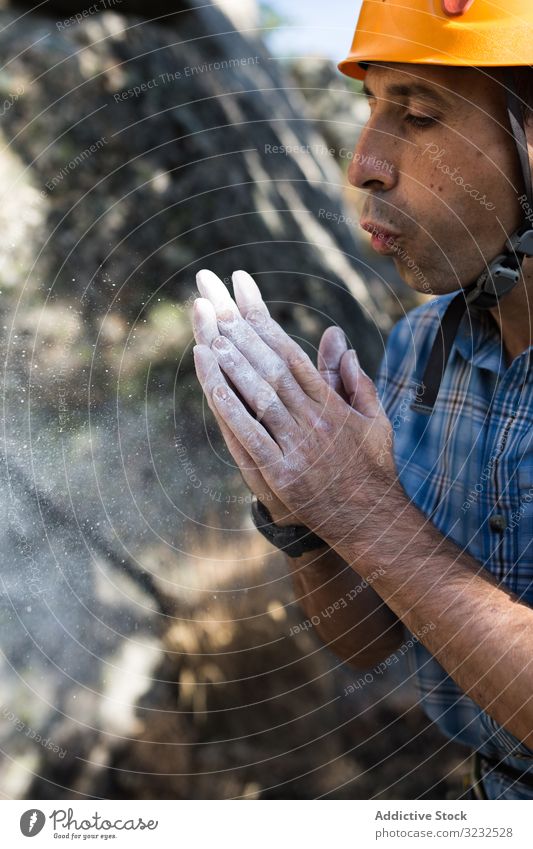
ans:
(154, 149)
(134, 153)
(338, 114)
(65, 8)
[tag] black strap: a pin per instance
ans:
(293, 540)
(516, 119)
(439, 355)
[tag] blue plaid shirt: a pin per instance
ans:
(469, 468)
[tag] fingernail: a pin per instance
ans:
(221, 393)
(222, 344)
(256, 316)
(227, 316)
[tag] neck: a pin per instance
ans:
(514, 316)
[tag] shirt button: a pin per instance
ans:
(497, 523)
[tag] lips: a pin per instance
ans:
(383, 240)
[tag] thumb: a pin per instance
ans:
(330, 351)
(360, 389)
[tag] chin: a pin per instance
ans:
(426, 283)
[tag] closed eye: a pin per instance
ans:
(420, 121)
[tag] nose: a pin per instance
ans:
(370, 168)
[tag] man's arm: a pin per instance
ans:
(483, 636)
(330, 464)
(353, 620)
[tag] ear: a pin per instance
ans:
(456, 7)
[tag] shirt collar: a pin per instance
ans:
(478, 340)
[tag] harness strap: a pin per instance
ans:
(516, 120)
(439, 354)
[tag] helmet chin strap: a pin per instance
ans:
(499, 278)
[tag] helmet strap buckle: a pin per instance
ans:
(500, 277)
(504, 271)
(521, 242)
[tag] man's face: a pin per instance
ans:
(438, 161)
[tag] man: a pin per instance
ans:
(423, 485)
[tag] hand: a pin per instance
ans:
(331, 349)
(319, 456)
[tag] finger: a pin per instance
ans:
(250, 433)
(205, 368)
(209, 375)
(250, 473)
(330, 351)
(239, 454)
(361, 390)
(247, 293)
(204, 322)
(206, 332)
(282, 375)
(208, 372)
(258, 393)
(243, 460)
(289, 352)
(211, 287)
(265, 361)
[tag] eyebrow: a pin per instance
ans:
(412, 90)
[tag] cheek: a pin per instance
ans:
(447, 214)
(461, 201)
(502, 170)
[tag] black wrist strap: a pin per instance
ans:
(293, 540)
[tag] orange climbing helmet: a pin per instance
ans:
(465, 33)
